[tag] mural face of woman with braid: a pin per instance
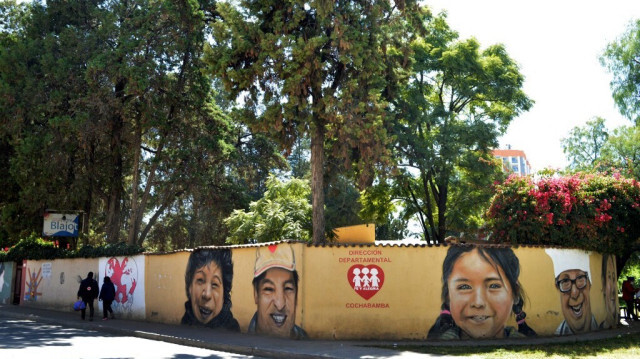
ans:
(480, 292)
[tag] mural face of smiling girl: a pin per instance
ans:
(207, 292)
(480, 299)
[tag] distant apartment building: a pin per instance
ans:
(513, 161)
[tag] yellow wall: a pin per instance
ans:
(363, 233)
(165, 288)
(405, 307)
(541, 296)
(58, 289)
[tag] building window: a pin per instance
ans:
(515, 168)
(514, 159)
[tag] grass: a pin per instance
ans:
(623, 346)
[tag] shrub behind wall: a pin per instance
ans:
(590, 211)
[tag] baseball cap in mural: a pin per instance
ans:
(568, 259)
(274, 256)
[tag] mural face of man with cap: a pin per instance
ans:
(571, 268)
(275, 289)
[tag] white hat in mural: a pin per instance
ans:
(567, 259)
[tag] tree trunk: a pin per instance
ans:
(442, 211)
(134, 222)
(91, 163)
(317, 180)
(114, 208)
(114, 205)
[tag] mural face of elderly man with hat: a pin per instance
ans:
(275, 291)
(571, 268)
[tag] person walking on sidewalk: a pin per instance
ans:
(88, 292)
(107, 295)
(628, 293)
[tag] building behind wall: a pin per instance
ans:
(513, 161)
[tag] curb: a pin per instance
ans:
(252, 348)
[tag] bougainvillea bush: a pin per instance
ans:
(592, 211)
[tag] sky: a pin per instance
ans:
(557, 45)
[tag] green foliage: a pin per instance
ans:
(584, 145)
(35, 248)
(457, 102)
(591, 211)
(622, 59)
(319, 69)
(283, 213)
(108, 250)
(622, 151)
(104, 108)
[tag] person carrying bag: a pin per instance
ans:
(88, 291)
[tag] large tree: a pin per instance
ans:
(105, 109)
(319, 68)
(460, 98)
(622, 150)
(584, 144)
(622, 59)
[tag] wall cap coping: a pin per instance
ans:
(412, 244)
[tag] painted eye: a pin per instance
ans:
(463, 287)
(495, 286)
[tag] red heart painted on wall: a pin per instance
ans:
(365, 280)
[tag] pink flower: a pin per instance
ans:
(549, 218)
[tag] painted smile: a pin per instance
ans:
(479, 319)
(577, 310)
(204, 312)
(278, 319)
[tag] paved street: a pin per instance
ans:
(20, 338)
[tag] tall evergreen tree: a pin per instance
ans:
(106, 110)
(313, 67)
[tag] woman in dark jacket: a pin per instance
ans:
(107, 295)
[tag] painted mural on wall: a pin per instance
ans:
(208, 282)
(347, 291)
(480, 292)
(610, 292)
(6, 273)
(275, 292)
(127, 275)
(571, 270)
(32, 290)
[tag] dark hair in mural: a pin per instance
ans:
(1, 268)
(197, 260)
(503, 258)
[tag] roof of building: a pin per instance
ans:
(511, 153)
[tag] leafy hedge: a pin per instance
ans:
(34, 247)
(591, 211)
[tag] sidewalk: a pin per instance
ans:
(271, 347)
